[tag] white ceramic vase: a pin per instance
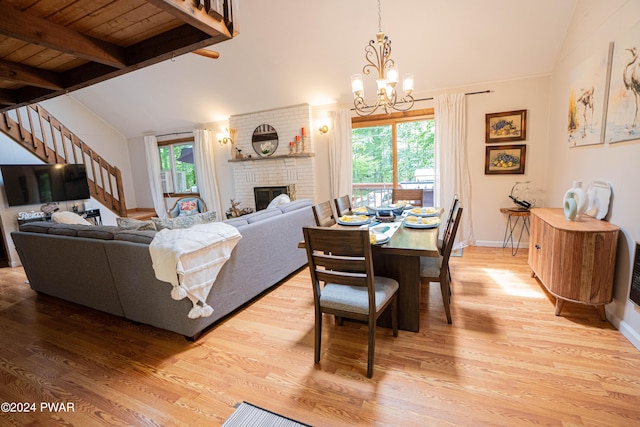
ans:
(576, 201)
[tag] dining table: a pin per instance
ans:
(399, 259)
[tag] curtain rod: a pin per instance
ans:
(468, 93)
(431, 98)
(174, 133)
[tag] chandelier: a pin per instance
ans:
(378, 56)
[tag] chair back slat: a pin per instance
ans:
(414, 196)
(323, 214)
(343, 205)
(342, 278)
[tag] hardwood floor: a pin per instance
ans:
(506, 360)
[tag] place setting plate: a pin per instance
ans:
(353, 220)
(421, 222)
(378, 238)
(362, 210)
(423, 212)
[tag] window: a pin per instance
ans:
(177, 173)
(392, 151)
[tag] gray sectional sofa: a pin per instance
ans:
(110, 269)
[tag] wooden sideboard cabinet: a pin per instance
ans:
(574, 260)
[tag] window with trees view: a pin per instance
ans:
(392, 152)
(177, 173)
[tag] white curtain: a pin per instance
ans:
(452, 169)
(153, 171)
(204, 160)
(340, 153)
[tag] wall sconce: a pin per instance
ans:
(226, 137)
(323, 129)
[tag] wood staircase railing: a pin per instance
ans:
(42, 134)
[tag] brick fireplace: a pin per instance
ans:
(280, 169)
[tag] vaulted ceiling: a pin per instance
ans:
(289, 52)
(48, 48)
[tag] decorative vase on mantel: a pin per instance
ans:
(576, 201)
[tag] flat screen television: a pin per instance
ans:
(44, 183)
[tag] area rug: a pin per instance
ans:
(248, 415)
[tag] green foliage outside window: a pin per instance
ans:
(372, 160)
(179, 167)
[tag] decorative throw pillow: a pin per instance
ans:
(66, 217)
(134, 224)
(209, 216)
(279, 200)
(184, 221)
(188, 208)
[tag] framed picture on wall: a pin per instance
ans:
(505, 159)
(506, 127)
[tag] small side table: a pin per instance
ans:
(92, 214)
(513, 218)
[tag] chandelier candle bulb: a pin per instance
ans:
(357, 85)
(407, 83)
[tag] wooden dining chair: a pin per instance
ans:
(447, 225)
(323, 214)
(341, 260)
(343, 205)
(434, 269)
(414, 196)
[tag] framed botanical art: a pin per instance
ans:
(505, 159)
(506, 127)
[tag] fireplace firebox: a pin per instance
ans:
(264, 195)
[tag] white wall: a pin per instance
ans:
(596, 23)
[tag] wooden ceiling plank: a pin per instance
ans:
(135, 25)
(80, 10)
(137, 32)
(187, 11)
(101, 23)
(29, 75)
(25, 27)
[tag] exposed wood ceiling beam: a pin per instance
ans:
(69, 59)
(29, 75)
(190, 13)
(22, 26)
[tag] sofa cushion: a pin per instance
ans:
(64, 230)
(104, 232)
(261, 215)
(66, 217)
(296, 204)
(36, 227)
(135, 236)
(236, 222)
(135, 224)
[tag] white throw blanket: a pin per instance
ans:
(191, 258)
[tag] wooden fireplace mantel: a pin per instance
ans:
(280, 157)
